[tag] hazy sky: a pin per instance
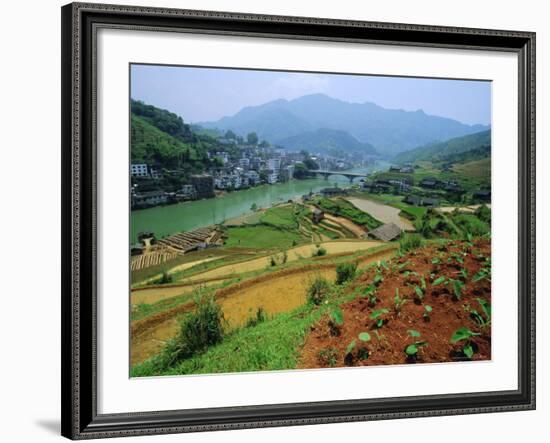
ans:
(206, 94)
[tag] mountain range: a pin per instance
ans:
(304, 120)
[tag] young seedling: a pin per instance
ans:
(336, 321)
(483, 321)
(457, 287)
(412, 349)
(464, 335)
(483, 273)
(418, 294)
(363, 352)
(438, 281)
(378, 279)
(398, 301)
(403, 265)
(427, 311)
(337, 316)
(378, 317)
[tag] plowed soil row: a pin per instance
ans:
(328, 344)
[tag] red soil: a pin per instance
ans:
(326, 344)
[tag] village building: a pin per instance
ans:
(429, 182)
(333, 192)
(317, 215)
(484, 195)
(387, 232)
(150, 198)
(413, 200)
(139, 170)
(204, 185)
(430, 202)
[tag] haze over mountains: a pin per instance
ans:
(318, 120)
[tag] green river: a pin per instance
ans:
(167, 220)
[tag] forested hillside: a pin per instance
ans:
(444, 151)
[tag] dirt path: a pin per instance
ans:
(332, 247)
(384, 213)
(181, 267)
(277, 293)
(154, 294)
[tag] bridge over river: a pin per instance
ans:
(349, 175)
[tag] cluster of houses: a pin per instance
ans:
(252, 169)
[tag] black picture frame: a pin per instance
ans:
(80, 419)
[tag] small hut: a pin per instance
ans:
(317, 215)
(387, 232)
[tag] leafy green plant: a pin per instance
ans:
(418, 293)
(458, 286)
(345, 272)
(427, 311)
(370, 292)
(412, 349)
(464, 334)
(482, 320)
(378, 279)
(438, 281)
(378, 317)
(482, 274)
(398, 301)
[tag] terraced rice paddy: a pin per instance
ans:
(152, 258)
(281, 292)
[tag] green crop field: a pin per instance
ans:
(280, 216)
(261, 237)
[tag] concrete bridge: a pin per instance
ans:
(349, 175)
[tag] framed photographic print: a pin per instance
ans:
(273, 221)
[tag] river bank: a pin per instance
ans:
(167, 220)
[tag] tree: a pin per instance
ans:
(300, 171)
(230, 135)
(311, 164)
(254, 207)
(252, 138)
(264, 144)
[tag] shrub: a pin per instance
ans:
(409, 242)
(483, 213)
(198, 330)
(258, 318)
(320, 251)
(318, 290)
(164, 279)
(345, 272)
